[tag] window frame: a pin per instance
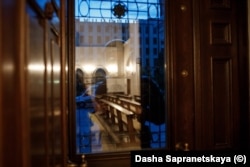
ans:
(103, 156)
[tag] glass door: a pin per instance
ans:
(120, 87)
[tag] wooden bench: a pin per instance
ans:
(131, 105)
(122, 115)
(111, 98)
(129, 97)
(137, 98)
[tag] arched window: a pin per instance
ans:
(100, 80)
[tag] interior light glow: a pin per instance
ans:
(89, 68)
(112, 68)
(129, 68)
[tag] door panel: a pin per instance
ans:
(44, 88)
(205, 70)
(219, 75)
(32, 114)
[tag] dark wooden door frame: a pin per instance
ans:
(180, 73)
(244, 72)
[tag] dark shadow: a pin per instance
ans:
(153, 114)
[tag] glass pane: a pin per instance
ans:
(120, 84)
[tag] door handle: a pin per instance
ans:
(180, 146)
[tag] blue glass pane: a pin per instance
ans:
(84, 8)
(133, 6)
(133, 15)
(153, 11)
(96, 13)
(140, 9)
(106, 5)
(95, 4)
(107, 14)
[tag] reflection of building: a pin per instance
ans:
(113, 48)
(116, 49)
(152, 39)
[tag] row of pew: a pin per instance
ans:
(123, 111)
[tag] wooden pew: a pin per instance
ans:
(111, 97)
(137, 98)
(131, 105)
(129, 97)
(123, 116)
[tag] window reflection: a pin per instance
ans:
(120, 88)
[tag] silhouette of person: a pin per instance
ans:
(153, 111)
